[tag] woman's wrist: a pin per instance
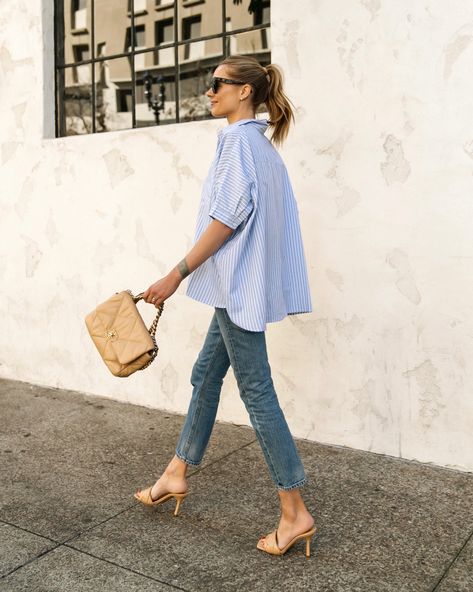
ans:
(182, 269)
(175, 275)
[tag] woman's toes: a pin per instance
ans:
(262, 543)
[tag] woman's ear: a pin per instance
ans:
(246, 91)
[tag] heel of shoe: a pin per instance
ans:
(307, 547)
(308, 540)
(179, 498)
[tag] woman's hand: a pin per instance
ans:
(161, 290)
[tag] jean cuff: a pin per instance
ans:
(186, 460)
(300, 483)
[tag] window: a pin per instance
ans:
(139, 42)
(125, 64)
(82, 71)
(138, 38)
(164, 32)
(79, 14)
(191, 27)
(124, 100)
(191, 30)
(138, 6)
(263, 15)
(81, 53)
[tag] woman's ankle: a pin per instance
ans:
(292, 505)
(176, 468)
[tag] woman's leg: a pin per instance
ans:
(207, 378)
(249, 360)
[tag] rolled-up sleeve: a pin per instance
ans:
(231, 194)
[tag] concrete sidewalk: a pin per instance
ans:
(69, 465)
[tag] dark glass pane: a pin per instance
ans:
(164, 57)
(256, 43)
(156, 89)
(262, 12)
(266, 15)
(111, 23)
(199, 19)
(194, 80)
(139, 39)
(191, 28)
(113, 95)
(81, 52)
(79, 14)
(192, 51)
(76, 101)
(163, 30)
(145, 60)
(75, 29)
(238, 15)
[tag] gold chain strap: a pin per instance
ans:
(152, 329)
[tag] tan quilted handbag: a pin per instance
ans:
(120, 335)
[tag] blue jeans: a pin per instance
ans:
(226, 344)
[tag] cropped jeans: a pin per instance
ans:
(226, 344)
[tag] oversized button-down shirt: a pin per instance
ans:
(259, 274)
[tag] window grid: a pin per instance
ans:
(60, 68)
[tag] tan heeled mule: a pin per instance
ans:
(145, 498)
(270, 544)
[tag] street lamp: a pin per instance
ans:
(156, 103)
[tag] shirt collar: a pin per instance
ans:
(260, 124)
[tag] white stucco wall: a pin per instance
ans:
(381, 161)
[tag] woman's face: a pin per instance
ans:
(230, 99)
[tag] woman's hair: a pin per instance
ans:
(267, 85)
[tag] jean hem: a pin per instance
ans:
(300, 483)
(186, 460)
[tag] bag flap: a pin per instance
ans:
(118, 329)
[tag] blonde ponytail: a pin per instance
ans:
(279, 106)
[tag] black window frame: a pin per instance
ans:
(60, 66)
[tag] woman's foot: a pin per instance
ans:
(295, 518)
(288, 528)
(168, 484)
(173, 480)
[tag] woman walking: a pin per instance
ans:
(248, 264)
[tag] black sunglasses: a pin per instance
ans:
(215, 83)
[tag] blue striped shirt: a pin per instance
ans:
(259, 274)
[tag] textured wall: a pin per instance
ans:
(381, 163)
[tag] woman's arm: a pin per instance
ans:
(211, 240)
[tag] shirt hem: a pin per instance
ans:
(261, 327)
